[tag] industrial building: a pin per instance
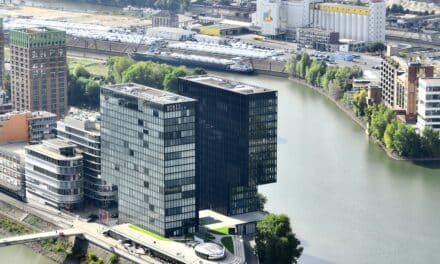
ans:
(220, 29)
(276, 18)
(83, 128)
(12, 177)
(428, 112)
(148, 150)
(316, 38)
(237, 141)
(361, 23)
(165, 18)
(39, 70)
(54, 174)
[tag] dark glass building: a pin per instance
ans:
(148, 151)
(237, 141)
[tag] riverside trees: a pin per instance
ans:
(275, 241)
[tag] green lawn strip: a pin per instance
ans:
(227, 242)
(149, 233)
(94, 67)
(222, 231)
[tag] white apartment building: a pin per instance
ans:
(428, 108)
(54, 174)
(361, 23)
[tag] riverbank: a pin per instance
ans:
(362, 123)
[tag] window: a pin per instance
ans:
(151, 207)
(146, 184)
(140, 122)
(131, 152)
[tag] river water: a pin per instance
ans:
(348, 202)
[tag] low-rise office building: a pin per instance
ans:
(42, 125)
(83, 128)
(428, 112)
(54, 174)
(12, 179)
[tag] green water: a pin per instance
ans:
(21, 255)
(349, 203)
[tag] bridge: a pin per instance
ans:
(38, 236)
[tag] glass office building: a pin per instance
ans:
(148, 151)
(237, 141)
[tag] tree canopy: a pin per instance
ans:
(276, 243)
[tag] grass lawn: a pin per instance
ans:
(227, 242)
(151, 234)
(223, 231)
(95, 67)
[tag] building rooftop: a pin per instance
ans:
(52, 148)
(43, 114)
(16, 148)
(83, 119)
(431, 81)
(227, 84)
(36, 30)
(213, 220)
(148, 93)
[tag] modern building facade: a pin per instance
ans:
(42, 125)
(399, 82)
(12, 177)
(149, 152)
(237, 141)
(363, 23)
(54, 174)
(428, 112)
(39, 70)
(82, 128)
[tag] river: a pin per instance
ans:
(348, 202)
(21, 255)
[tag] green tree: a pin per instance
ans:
(198, 71)
(7, 84)
(406, 141)
(335, 89)
(116, 66)
(80, 71)
(379, 117)
(430, 142)
(291, 65)
(388, 137)
(275, 241)
(328, 76)
(92, 89)
(360, 102)
(170, 81)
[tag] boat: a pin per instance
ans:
(191, 60)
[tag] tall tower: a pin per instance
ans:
(148, 150)
(236, 141)
(39, 70)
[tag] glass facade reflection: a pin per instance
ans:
(148, 150)
(237, 141)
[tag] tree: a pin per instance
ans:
(92, 89)
(388, 137)
(406, 141)
(430, 142)
(275, 241)
(360, 103)
(198, 71)
(328, 76)
(379, 117)
(376, 46)
(170, 81)
(116, 66)
(335, 89)
(7, 84)
(80, 71)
